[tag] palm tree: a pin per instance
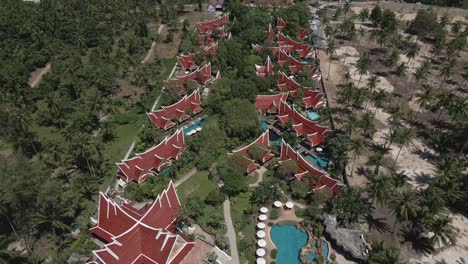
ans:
(351, 124)
(386, 256)
(403, 206)
(330, 51)
(380, 189)
(53, 218)
(457, 109)
(424, 99)
(377, 158)
(362, 65)
(413, 51)
(447, 70)
(347, 78)
(399, 180)
(404, 139)
(364, 14)
(357, 146)
(400, 71)
(372, 83)
(442, 101)
(379, 98)
(444, 231)
(392, 59)
(367, 125)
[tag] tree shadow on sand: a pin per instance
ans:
(418, 242)
(423, 178)
(377, 223)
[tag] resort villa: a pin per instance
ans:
(150, 234)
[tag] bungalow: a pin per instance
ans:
(150, 162)
(257, 151)
(180, 111)
(263, 71)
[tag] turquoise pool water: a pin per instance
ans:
(289, 240)
(197, 124)
(273, 137)
(325, 249)
(264, 125)
(313, 115)
(319, 161)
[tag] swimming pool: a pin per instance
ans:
(289, 240)
(197, 124)
(264, 125)
(313, 115)
(319, 161)
(325, 249)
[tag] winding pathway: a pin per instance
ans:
(260, 172)
(187, 176)
(231, 232)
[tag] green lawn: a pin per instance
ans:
(252, 178)
(244, 223)
(198, 186)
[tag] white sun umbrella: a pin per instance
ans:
(199, 129)
(263, 210)
(262, 217)
(289, 205)
(261, 234)
(260, 252)
(278, 204)
(261, 261)
(261, 225)
(261, 243)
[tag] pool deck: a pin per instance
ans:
(285, 215)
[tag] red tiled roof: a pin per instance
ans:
(270, 32)
(312, 99)
(187, 61)
(270, 103)
(149, 238)
(263, 71)
(280, 24)
(304, 167)
(263, 142)
(306, 48)
(200, 75)
(314, 133)
(163, 118)
(207, 26)
(142, 166)
(212, 49)
(303, 33)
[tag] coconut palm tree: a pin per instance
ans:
(367, 125)
(377, 158)
(403, 206)
(330, 51)
(357, 146)
(447, 70)
(351, 123)
(347, 78)
(457, 109)
(386, 256)
(444, 231)
(379, 98)
(404, 139)
(413, 51)
(400, 71)
(399, 180)
(372, 83)
(424, 99)
(379, 188)
(362, 65)
(442, 101)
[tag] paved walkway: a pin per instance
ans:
(231, 232)
(34, 82)
(187, 176)
(260, 172)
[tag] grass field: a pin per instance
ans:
(199, 186)
(244, 224)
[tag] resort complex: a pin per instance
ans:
(233, 132)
